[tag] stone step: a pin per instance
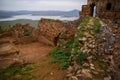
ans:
(6, 62)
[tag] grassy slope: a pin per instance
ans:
(5, 24)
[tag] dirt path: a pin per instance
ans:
(33, 52)
(38, 53)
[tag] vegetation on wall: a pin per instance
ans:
(27, 32)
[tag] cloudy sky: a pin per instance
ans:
(63, 5)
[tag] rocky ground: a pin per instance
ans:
(15, 58)
(92, 54)
(93, 51)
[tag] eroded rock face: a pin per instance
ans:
(107, 9)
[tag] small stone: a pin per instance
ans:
(86, 73)
(107, 78)
(69, 75)
(92, 65)
(81, 77)
(76, 67)
(89, 58)
(93, 68)
(74, 78)
(99, 70)
(85, 65)
(79, 71)
(51, 73)
(91, 46)
(114, 34)
(95, 72)
(70, 69)
(17, 76)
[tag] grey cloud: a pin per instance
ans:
(41, 4)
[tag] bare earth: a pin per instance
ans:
(37, 53)
(33, 52)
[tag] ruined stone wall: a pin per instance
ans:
(107, 9)
(49, 31)
(23, 33)
(53, 30)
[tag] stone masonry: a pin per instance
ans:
(106, 9)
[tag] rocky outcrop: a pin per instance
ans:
(8, 54)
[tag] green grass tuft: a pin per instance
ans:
(96, 27)
(8, 73)
(81, 57)
(61, 57)
(85, 22)
(27, 32)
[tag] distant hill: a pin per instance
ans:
(72, 13)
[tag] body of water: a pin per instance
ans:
(29, 16)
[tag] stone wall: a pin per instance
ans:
(23, 33)
(107, 9)
(53, 30)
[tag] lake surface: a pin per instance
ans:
(30, 16)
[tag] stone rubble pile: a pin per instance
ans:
(99, 64)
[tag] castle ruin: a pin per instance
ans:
(104, 9)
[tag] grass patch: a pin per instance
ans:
(85, 22)
(76, 42)
(74, 51)
(10, 72)
(68, 44)
(80, 32)
(61, 57)
(2, 29)
(103, 65)
(96, 27)
(28, 68)
(81, 57)
(81, 28)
